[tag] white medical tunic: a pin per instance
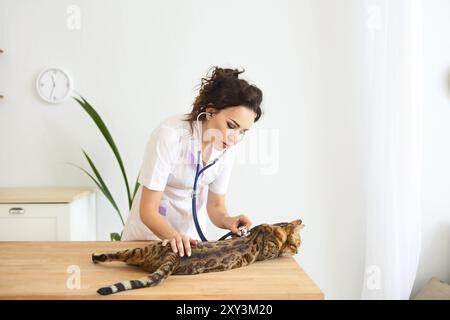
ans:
(169, 166)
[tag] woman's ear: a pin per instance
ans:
(211, 112)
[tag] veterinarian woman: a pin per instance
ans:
(226, 107)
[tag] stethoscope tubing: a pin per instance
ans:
(198, 172)
(194, 198)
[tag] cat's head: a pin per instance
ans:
(281, 239)
(289, 235)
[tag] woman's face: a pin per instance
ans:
(227, 126)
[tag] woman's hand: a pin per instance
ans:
(233, 223)
(181, 244)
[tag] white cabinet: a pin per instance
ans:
(47, 214)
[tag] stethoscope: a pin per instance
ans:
(198, 173)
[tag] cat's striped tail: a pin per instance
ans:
(124, 255)
(167, 267)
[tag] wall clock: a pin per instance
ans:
(54, 85)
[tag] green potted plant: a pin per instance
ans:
(96, 177)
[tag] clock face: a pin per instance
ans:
(54, 85)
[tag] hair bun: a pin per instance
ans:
(224, 73)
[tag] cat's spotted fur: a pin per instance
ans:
(262, 243)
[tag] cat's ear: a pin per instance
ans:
(297, 225)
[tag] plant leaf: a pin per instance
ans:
(96, 182)
(105, 132)
(136, 187)
(106, 191)
(115, 236)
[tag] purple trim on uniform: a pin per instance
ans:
(191, 157)
(162, 211)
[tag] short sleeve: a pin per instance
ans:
(158, 158)
(220, 184)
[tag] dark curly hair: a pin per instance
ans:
(223, 89)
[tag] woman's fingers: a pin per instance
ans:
(173, 244)
(180, 246)
(245, 221)
(239, 222)
(234, 228)
(187, 246)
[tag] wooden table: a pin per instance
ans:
(43, 270)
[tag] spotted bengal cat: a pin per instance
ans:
(263, 242)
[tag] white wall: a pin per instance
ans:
(435, 255)
(139, 64)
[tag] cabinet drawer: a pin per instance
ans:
(34, 222)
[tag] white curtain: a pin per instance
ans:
(392, 132)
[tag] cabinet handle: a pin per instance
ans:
(17, 210)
